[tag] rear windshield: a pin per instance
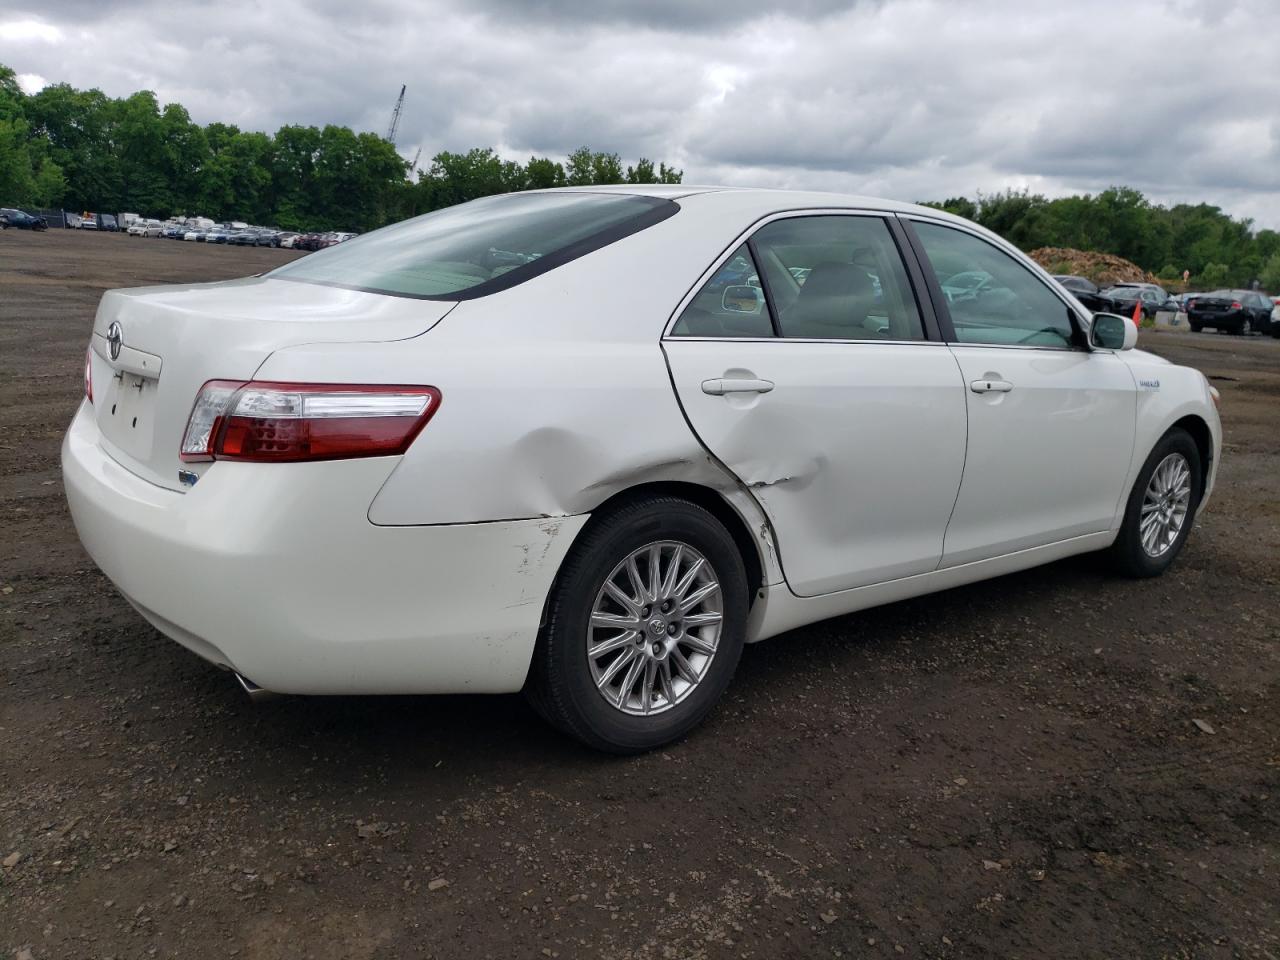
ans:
(480, 247)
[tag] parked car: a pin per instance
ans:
(107, 221)
(71, 221)
(145, 228)
(286, 239)
(1275, 317)
(174, 231)
(21, 220)
(1231, 311)
(222, 234)
(1125, 296)
(243, 238)
(1087, 292)
(455, 474)
(89, 221)
(195, 234)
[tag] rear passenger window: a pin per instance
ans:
(837, 278)
(730, 304)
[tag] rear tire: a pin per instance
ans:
(654, 677)
(1157, 519)
(1195, 327)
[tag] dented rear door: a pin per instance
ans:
(805, 364)
(855, 452)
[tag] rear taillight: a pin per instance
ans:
(292, 422)
(1236, 305)
(88, 374)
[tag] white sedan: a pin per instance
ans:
(588, 443)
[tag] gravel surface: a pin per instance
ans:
(1052, 764)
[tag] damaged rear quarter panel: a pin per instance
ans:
(555, 394)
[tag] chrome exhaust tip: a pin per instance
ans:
(256, 693)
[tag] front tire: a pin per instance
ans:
(1161, 508)
(644, 628)
(1245, 328)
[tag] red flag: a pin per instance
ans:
(1137, 314)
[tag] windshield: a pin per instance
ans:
(480, 247)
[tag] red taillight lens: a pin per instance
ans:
(88, 374)
(292, 422)
(1236, 305)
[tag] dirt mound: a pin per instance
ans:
(1101, 268)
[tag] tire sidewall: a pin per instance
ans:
(1129, 551)
(602, 548)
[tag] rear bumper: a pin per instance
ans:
(1226, 320)
(275, 571)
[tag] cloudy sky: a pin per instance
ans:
(911, 99)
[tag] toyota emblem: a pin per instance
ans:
(115, 339)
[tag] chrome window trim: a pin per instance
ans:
(887, 343)
(746, 235)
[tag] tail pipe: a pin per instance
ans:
(256, 693)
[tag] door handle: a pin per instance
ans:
(718, 388)
(990, 386)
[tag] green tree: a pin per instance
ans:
(1214, 276)
(1270, 273)
(580, 168)
(541, 173)
(606, 168)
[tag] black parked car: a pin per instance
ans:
(1124, 297)
(1236, 311)
(12, 217)
(1087, 292)
(107, 221)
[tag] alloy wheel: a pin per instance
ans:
(1165, 505)
(654, 628)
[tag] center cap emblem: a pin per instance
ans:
(115, 339)
(657, 626)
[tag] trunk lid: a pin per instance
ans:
(173, 339)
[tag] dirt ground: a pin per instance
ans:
(1010, 769)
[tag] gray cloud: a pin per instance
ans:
(904, 98)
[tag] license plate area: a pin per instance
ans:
(126, 415)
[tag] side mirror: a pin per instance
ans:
(742, 299)
(1112, 332)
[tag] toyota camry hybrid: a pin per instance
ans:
(587, 443)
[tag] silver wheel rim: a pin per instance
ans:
(655, 626)
(1165, 505)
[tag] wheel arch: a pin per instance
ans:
(714, 503)
(1203, 437)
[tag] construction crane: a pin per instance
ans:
(395, 117)
(414, 166)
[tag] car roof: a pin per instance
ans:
(762, 199)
